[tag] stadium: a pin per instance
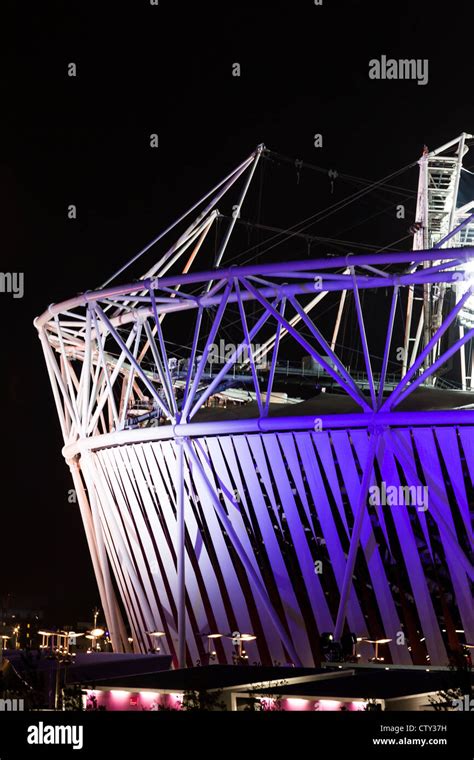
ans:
(231, 431)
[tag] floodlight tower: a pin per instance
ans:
(444, 219)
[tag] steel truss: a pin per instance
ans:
(199, 527)
(443, 220)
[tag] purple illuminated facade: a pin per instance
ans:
(260, 518)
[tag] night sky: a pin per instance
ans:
(85, 140)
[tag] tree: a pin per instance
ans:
(270, 701)
(203, 699)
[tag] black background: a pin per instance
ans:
(143, 69)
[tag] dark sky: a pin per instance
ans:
(143, 69)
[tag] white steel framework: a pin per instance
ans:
(263, 525)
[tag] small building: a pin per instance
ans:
(336, 688)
